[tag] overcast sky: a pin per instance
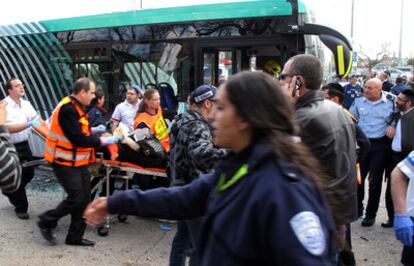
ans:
(375, 21)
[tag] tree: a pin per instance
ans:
(383, 56)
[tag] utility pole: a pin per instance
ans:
(354, 53)
(352, 20)
(401, 33)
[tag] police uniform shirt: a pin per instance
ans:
(125, 113)
(351, 92)
(407, 167)
(19, 114)
(373, 117)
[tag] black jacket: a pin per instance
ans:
(73, 131)
(330, 134)
(98, 116)
(407, 128)
(387, 85)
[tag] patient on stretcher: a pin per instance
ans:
(141, 147)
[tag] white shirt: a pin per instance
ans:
(125, 113)
(407, 167)
(20, 114)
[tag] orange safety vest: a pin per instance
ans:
(58, 148)
(157, 126)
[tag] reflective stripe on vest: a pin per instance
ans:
(56, 136)
(68, 157)
(58, 148)
(157, 126)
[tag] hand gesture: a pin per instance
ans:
(291, 89)
(390, 132)
(96, 211)
(110, 140)
(99, 129)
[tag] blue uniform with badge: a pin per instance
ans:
(257, 211)
(374, 117)
(350, 94)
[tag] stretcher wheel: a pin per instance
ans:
(103, 230)
(122, 218)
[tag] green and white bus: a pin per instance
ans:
(183, 46)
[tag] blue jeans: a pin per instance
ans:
(185, 243)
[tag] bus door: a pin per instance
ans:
(217, 65)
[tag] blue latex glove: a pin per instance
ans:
(110, 140)
(98, 129)
(35, 123)
(404, 228)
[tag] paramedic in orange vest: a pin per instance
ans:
(69, 148)
(150, 115)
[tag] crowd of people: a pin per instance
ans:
(262, 171)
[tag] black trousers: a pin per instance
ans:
(395, 159)
(77, 185)
(19, 197)
(374, 164)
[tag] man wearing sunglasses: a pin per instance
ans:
(328, 132)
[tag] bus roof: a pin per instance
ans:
(244, 9)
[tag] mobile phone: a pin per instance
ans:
(298, 84)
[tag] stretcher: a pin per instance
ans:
(109, 167)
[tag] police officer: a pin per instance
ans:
(402, 189)
(374, 112)
(351, 91)
(260, 207)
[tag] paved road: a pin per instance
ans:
(137, 242)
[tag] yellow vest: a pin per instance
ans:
(157, 126)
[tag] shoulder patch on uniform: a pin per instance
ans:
(308, 230)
